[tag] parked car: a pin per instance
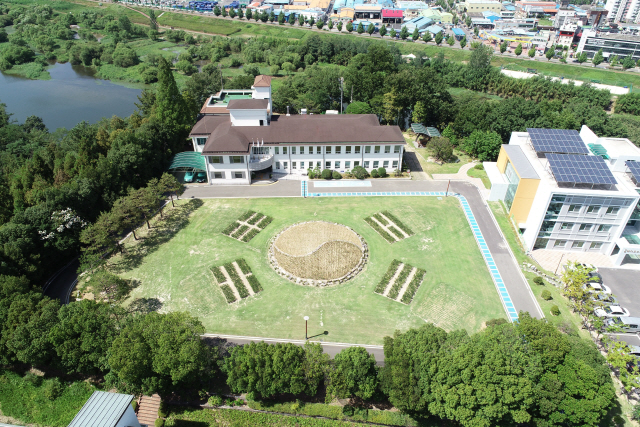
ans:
(201, 177)
(188, 177)
(603, 298)
(596, 287)
(626, 324)
(611, 311)
(594, 276)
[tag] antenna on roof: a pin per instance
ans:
(262, 143)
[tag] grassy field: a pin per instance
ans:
(171, 267)
(482, 174)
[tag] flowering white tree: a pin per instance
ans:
(61, 221)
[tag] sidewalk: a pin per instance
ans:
(462, 176)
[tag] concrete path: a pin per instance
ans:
(463, 176)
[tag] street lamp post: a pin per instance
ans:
(306, 320)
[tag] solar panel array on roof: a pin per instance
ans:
(634, 168)
(557, 141)
(580, 169)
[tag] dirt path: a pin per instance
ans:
(386, 228)
(245, 282)
(230, 283)
(414, 271)
(393, 280)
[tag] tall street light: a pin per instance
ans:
(306, 320)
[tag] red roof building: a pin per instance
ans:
(392, 16)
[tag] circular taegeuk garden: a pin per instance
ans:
(318, 253)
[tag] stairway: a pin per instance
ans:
(148, 410)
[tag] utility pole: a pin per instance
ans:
(341, 91)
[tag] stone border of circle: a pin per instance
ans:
(313, 282)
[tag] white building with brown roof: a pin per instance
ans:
(248, 139)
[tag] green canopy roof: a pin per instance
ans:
(421, 129)
(599, 150)
(188, 160)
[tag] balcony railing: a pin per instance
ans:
(260, 161)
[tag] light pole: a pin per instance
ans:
(306, 320)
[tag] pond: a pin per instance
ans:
(72, 95)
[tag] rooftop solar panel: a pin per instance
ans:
(557, 141)
(634, 167)
(580, 169)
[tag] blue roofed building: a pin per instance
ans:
(105, 409)
(420, 23)
(458, 33)
(435, 29)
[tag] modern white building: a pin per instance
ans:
(623, 10)
(571, 191)
(248, 140)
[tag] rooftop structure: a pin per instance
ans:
(611, 44)
(105, 409)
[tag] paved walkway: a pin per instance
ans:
(553, 261)
(462, 176)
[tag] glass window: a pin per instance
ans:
(577, 245)
(585, 227)
(215, 159)
(236, 159)
(375, 164)
(217, 175)
(356, 163)
(560, 243)
(367, 150)
(397, 148)
(277, 165)
(284, 150)
(347, 149)
(328, 149)
(593, 209)
(338, 150)
(541, 244)
(293, 165)
(337, 165)
(514, 180)
(285, 165)
(366, 165)
(558, 198)
(293, 150)
(566, 226)
(394, 165)
(277, 150)
(376, 149)
(347, 165)
(201, 141)
(301, 150)
(327, 165)
(357, 149)
(596, 245)
(301, 165)
(238, 175)
(387, 149)
(612, 210)
(385, 164)
(318, 149)
(603, 228)
(574, 208)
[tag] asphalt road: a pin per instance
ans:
(61, 286)
(625, 285)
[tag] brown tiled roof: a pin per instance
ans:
(262, 81)
(303, 129)
(248, 104)
(208, 124)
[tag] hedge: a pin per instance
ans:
(255, 218)
(240, 231)
(397, 222)
(244, 267)
(218, 275)
(265, 221)
(255, 285)
(228, 293)
(381, 220)
(227, 231)
(237, 282)
(381, 231)
(397, 285)
(413, 286)
(245, 216)
(387, 277)
(250, 235)
(242, 290)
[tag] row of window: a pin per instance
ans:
(330, 149)
(594, 209)
(577, 245)
(234, 175)
(220, 159)
(602, 228)
(336, 165)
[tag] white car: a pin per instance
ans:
(611, 311)
(597, 287)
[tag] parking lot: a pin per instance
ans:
(625, 285)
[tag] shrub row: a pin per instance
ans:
(245, 216)
(254, 219)
(229, 229)
(242, 290)
(265, 221)
(228, 293)
(380, 230)
(218, 275)
(397, 222)
(381, 219)
(250, 235)
(402, 277)
(387, 277)
(255, 285)
(244, 267)
(413, 286)
(240, 231)
(237, 282)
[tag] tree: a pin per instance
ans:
(169, 184)
(354, 374)
(360, 28)
(415, 34)
(442, 148)
(613, 61)
(438, 38)
(159, 353)
(392, 33)
(201, 85)
(232, 13)
(485, 146)
(224, 12)
(124, 56)
(315, 367)
(451, 41)
(339, 26)
(582, 57)
(301, 20)
(419, 113)
(503, 46)
(463, 42)
(216, 11)
(598, 58)
(281, 18)
(170, 108)
(426, 37)
(390, 108)
(383, 31)
(272, 16)
(476, 31)
(359, 107)
(550, 53)
(83, 335)
(240, 13)
(289, 68)
(248, 14)
(518, 50)
(532, 52)
(320, 24)
(371, 29)
(186, 67)
(330, 24)
(404, 32)
(480, 58)
(311, 21)
(251, 70)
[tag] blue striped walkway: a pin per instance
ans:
(475, 229)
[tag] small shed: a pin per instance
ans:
(426, 131)
(458, 33)
(104, 409)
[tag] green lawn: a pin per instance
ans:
(482, 174)
(172, 265)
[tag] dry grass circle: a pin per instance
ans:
(318, 253)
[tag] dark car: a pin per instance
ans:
(201, 177)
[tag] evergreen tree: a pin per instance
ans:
(349, 26)
(451, 41)
(320, 24)
(518, 50)
(330, 25)
(216, 11)
(170, 108)
(281, 18)
(248, 14)
(371, 29)
(383, 31)
(232, 13)
(415, 34)
(404, 33)
(301, 20)
(224, 12)
(503, 46)
(339, 26)
(463, 42)
(439, 38)
(532, 52)
(392, 33)
(426, 37)
(550, 53)
(240, 13)
(360, 28)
